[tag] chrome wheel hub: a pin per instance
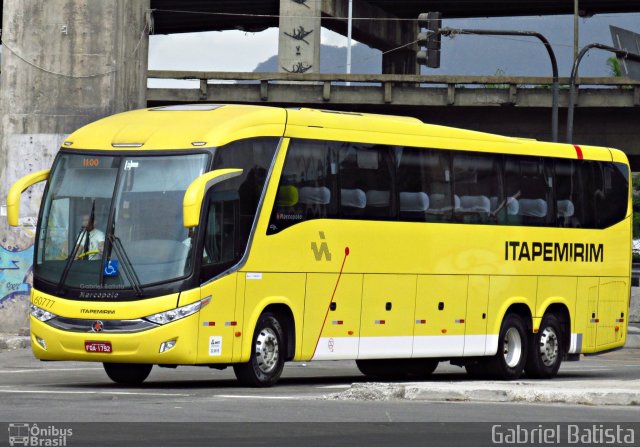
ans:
(548, 346)
(267, 350)
(512, 347)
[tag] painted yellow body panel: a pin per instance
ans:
(139, 347)
(341, 326)
(448, 285)
(441, 301)
(219, 321)
(125, 310)
(167, 129)
(388, 303)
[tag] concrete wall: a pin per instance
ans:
(634, 311)
(65, 63)
(299, 38)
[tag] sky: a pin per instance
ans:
(241, 51)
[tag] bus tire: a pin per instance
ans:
(545, 349)
(509, 361)
(268, 351)
(129, 374)
(397, 368)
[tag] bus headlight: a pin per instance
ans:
(41, 314)
(178, 313)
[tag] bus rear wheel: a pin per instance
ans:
(545, 349)
(267, 354)
(509, 361)
(398, 368)
(127, 373)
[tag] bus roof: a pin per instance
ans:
(211, 125)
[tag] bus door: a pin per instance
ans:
(475, 324)
(586, 313)
(612, 311)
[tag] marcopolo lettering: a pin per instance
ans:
(553, 251)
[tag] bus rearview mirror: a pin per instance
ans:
(194, 196)
(16, 190)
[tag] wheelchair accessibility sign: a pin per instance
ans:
(111, 267)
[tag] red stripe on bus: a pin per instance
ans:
(346, 253)
(578, 152)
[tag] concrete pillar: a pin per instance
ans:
(400, 62)
(299, 40)
(65, 63)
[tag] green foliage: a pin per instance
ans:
(614, 67)
(499, 73)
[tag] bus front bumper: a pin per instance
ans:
(50, 343)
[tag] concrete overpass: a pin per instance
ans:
(607, 110)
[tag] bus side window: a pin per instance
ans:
(221, 236)
(424, 185)
(528, 187)
(307, 186)
(569, 195)
(367, 187)
(476, 186)
(612, 185)
(588, 191)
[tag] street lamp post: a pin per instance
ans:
(574, 73)
(552, 57)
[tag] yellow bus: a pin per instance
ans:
(247, 236)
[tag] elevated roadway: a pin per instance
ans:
(606, 114)
(262, 14)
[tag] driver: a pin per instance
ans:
(92, 241)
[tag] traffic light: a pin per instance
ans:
(429, 41)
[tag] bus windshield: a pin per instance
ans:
(114, 221)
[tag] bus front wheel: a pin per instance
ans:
(127, 373)
(267, 354)
(509, 361)
(545, 350)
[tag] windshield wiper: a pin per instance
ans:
(129, 271)
(76, 247)
(70, 259)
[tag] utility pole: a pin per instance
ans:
(576, 31)
(574, 73)
(437, 32)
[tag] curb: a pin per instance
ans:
(12, 342)
(633, 336)
(490, 392)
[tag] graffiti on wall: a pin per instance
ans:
(16, 263)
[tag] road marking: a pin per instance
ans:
(244, 396)
(335, 386)
(20, 371)
(118, 393)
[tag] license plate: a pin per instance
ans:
(103, 347)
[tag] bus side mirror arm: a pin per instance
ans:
(194, 196)
(16, 190)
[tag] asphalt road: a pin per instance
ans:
(81, 392)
